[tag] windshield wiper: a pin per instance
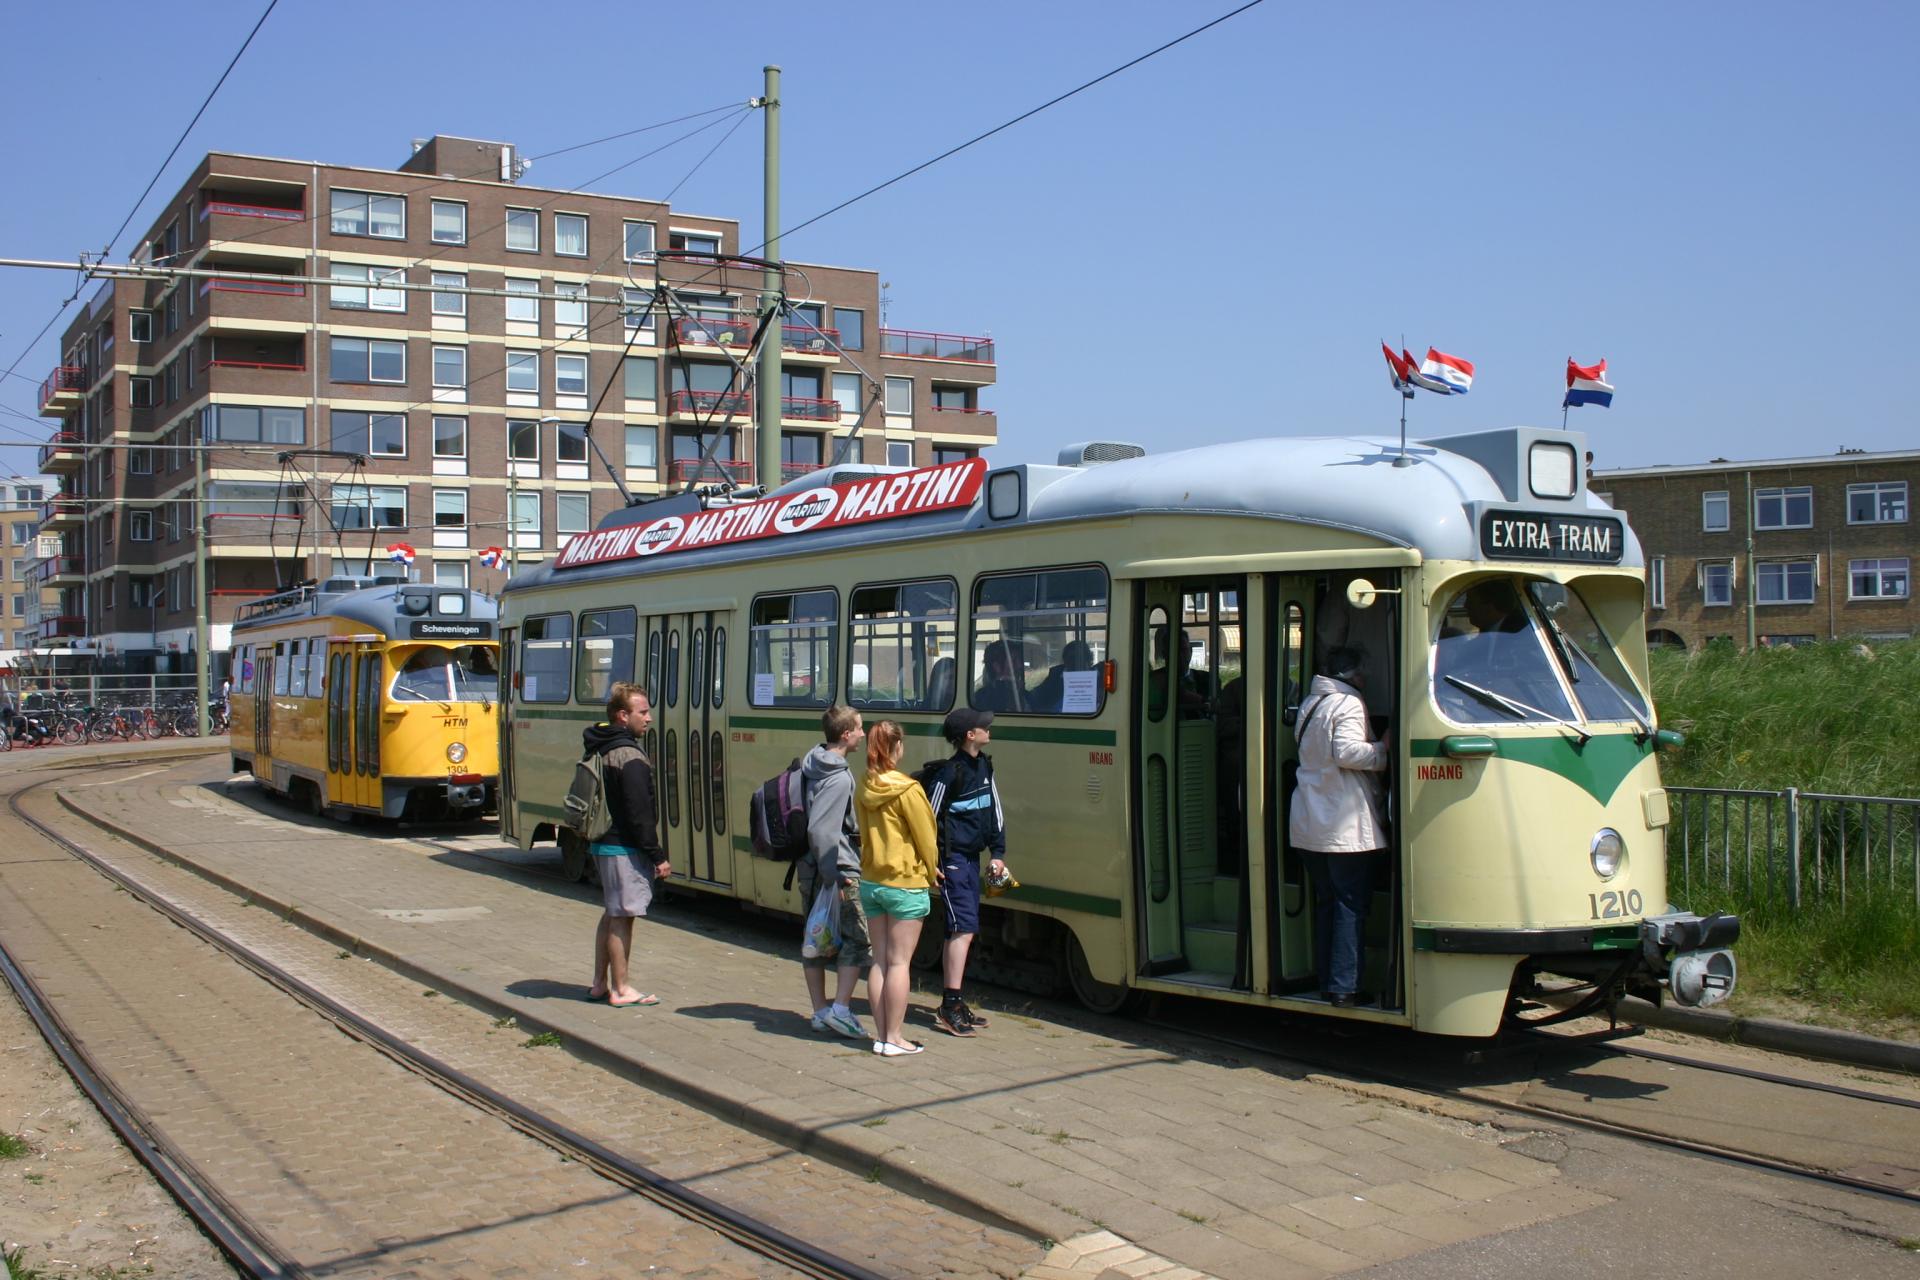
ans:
(1564, 646)
(1518, 707)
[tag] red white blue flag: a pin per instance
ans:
(1587, 384)
(492, 557)
(1402, 370)
(1448, 375)
(400, 553)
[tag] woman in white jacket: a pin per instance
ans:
(1335, 821)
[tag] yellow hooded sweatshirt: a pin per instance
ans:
(897, 846)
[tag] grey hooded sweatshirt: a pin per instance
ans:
(831, 839)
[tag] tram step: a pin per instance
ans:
(1210, 946)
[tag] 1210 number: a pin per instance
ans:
(1614, 904)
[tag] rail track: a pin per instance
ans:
(249, 1248)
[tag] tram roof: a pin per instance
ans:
(376, 603)
(1432, 505)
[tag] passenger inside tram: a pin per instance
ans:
(1001, 690)
(464, 674)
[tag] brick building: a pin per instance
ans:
(465, 396)
(1798, 549)
(23, 599)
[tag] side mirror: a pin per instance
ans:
(1362, 594)
(1668, 740)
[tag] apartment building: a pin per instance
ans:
(22, 597)
(338, 419)
(1798, 549)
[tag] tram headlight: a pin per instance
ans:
(456, 752)
(1607, 853)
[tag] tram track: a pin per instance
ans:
(245, 1244)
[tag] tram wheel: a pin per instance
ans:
(1100, 997)
(575, 861)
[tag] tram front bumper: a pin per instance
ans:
(1691, 954)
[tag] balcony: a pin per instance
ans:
(62, 390)
(291, 289)
(936, 346)
(61, 454)
(62, 513)
(702, 406)
(700, 331)
(273, 357)
(794, 470)
(65, 626)
(713, 470)
(805, 340)
(61, 571)
(808, 409)
(238, 533)
(212, 204)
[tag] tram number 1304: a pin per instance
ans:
(1614, 904)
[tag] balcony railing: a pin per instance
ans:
(235, 209)
(715, 469)
(794, 470)
(59, 567)
(68, 379)
(702, 332)
(221, 362)
(66, 624)
(959, 408)
(293, 289)
(705, 404)
(809, 409)
(805, 337)
(936, 346)
(62, 446)
(62, 508)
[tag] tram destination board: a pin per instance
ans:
(442, 630)
(1538, 535)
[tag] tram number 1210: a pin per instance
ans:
(1613, 905)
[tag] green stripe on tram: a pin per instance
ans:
(1597, 768)
(1039, 895)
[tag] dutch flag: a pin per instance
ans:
(1448, 375)
(400, 553)
(492, 557)
(1587, 384)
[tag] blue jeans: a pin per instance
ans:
(1342, 891)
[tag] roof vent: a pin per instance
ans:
(1092, 453)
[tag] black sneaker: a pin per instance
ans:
(954, 1020)
(972, 1017)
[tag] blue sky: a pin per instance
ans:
(1717, 198)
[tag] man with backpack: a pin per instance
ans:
(969, 821)
(832, 860)
(615, 814)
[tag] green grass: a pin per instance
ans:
(545, 1040)
(14, 1147)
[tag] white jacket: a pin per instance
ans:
(1336, 808)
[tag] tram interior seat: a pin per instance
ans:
(939, 695)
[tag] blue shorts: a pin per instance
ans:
(961, 892)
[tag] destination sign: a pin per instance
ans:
(863, 501)
(1535, 535)
(438, 630)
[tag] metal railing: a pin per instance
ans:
(1792, 847)
(936, 346)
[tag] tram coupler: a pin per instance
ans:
(1691, 955)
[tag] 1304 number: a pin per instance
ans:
(1614, 904)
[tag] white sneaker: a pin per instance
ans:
(819, 1022)
(843, 1023)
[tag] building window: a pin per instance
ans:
(943, 454)
(523, 371)
(449, 222)
(569, 442)
(1657, 582)
(450, 367)
(173, 310)
(379, 435)
(523, 308)
(1787, 508)
(639, 240)
(1785, 582)
(140, 391)
(570, 308)
(791, 650)
(363, 213)
(140, 462)
(570, 235)
(356, 293)
(140, 592)
(960, 398)
(140, 326)
(245, 424)
(1714, 509)
(449, 508)
(900, 397)
(523, 230)
(1884, 502)
(449, 437)
(526, 514)
(570, 375)
(140, 526)
(899, 453)
(800, 451)
(569, 514)
(369, 506)
(846, 389)
(695, 242)
(369, 360)
(642, 374)
(523, 441)
(1878, 579)
(635, 312)
(852, 325)
(643, 448)
(450, 573)
(452, 303)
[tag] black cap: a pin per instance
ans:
(959, 722)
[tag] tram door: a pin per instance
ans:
(263, 705)
(342, 786)
(1289, 649)
(1191, 699)
(690, 718)
(362, 774)
(504, 801)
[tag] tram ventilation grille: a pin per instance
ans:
(1093, 452)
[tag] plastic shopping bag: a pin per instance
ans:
(822, 937)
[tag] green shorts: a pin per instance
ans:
(885, 900)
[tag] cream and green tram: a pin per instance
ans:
(1144, 630)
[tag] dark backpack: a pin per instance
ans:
(587, 814)
(926, 775)
(777, 816)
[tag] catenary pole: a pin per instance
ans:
(202, 654)
(770, 299)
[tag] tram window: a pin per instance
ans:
(280, 668)
(719, 668)
(672, 679)
(465, 673)
(696, 777)
(1158, 668)
(546, 657)
(697, 681)
(672, 779)
(606, 653)
(1491, 664)
(653, 668)
(792, 650)
(1038, 642)
(716, 766)
(296, 668)
(901, 642)
(1600, 681)
(1293, 658)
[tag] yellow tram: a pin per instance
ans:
(1144, 629)
(368, 697)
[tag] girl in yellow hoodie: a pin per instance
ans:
(898, 864)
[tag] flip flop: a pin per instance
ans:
(627, 1004)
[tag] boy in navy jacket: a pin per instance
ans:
(970, 821)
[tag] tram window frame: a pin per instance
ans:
(764, 635)
(533, 686)
(297, 667)
(280, 668)
(984, 630)
(589, 686)
(697, 668)
(719, 666)
(656, 653)
(868, 628)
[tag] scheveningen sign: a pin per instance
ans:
(886, 497)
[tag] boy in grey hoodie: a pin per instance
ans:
(833, 858)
